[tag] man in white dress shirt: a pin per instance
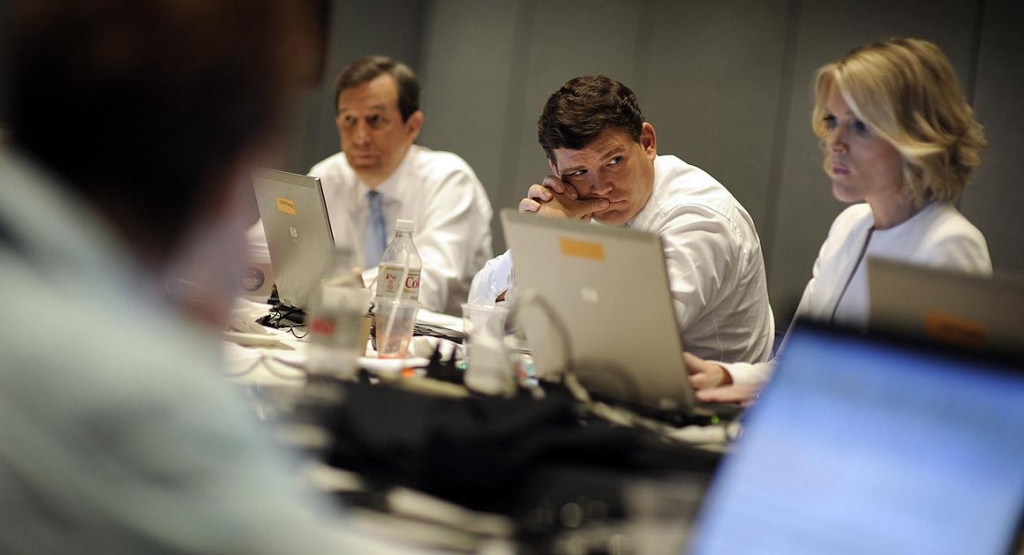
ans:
(606, 167)
(381, 176)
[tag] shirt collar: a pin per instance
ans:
(393, 188)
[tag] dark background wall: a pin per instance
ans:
(726, 84)
(5, 25)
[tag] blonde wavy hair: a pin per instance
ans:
(906, 91)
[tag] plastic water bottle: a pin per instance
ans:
(398, 275)
(337, 334)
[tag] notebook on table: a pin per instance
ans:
(874, 444)
(298, 232)
(968, 310)
(597, 299)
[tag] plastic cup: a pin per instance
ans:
(337, 336)
(395, 322)
(482, 320)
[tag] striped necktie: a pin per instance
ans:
(376, 240)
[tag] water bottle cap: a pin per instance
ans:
(405, 226)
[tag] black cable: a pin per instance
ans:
(291, 330)
(530, 298)
(282, 316)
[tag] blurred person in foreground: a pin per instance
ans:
(901, 141)
(381, 176)
(605, 167)
(133, 127)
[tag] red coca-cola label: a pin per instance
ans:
(322, 326)
(389, 282)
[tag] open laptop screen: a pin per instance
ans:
(984, 312)
(866, 445)
(609, 289)
(298, 231)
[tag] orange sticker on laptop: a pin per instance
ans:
(286, 205)
(956, 330)
(582, 249)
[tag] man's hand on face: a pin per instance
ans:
(557, 199)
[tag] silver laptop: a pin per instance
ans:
(870, 444)
(298, 232)
(954, 307)
(608, 289)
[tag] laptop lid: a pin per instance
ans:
(867, 444)
(298, 231)
(950, 306)
(608, 286)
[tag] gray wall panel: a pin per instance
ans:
(995, 199)
(727, 85)
(467, 75)
(5, 29)
(712, 89)
(828, 30)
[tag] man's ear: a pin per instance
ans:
(413, 126)
(649, 140)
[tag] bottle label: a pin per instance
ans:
(389, 282)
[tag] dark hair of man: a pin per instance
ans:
(141, 107)
(369, 68)
(584, 107)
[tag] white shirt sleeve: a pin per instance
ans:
(718, 290)
(447, 237)
(745, 373)
(698, 253)
(494, 279)
(966, 251)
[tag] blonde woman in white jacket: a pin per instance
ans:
(899, 139)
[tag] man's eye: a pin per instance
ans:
(375, 120)
(615, 161)
(577, 173)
